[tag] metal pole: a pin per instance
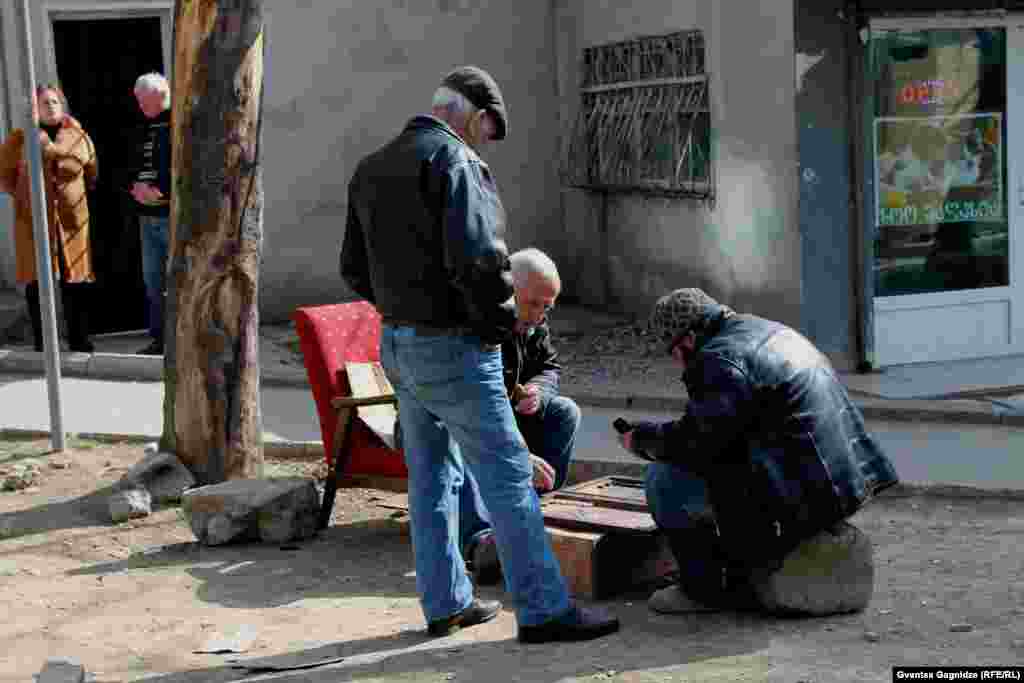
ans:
(41, 232)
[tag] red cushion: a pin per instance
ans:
(330, 336)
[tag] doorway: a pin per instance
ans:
(946, 140)
(97, 61)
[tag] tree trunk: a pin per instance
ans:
(212, 404)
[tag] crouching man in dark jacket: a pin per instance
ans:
(770, 451)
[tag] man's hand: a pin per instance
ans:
(543, 474)
(146, 193)
(626, 441)
(44, 138)
(530, 403)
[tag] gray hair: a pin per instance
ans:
(154, 82)
(455, 105)
(533, 261)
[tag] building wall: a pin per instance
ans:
(826, 128)
(7, 66)
(745, 249)
(342, 78)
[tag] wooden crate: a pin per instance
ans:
(604, 537)
(601, 534)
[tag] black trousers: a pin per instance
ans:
(76, 314)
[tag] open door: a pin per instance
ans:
(98, 61)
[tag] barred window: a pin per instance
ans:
(644, 123)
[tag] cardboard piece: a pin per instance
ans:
(368, 380)
(305, 659)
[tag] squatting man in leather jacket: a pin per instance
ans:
(770, 451)
(424, 244)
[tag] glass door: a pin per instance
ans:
(942, 148)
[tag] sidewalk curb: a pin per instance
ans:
(896, 410)
(579, 469)
(968, 408)
(119, 367)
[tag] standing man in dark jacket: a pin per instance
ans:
(771, 451)
(423, 244)
(152, 194)
(547, 421)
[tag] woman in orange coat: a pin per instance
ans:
(69, 165)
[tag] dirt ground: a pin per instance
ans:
(134, 601)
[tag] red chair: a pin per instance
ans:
(329, 337)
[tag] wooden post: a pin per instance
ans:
(212, 416)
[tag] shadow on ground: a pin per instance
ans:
(83, 511)
(726, 647)
(366, 558)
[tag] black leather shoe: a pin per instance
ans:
(579, 623)
(479, 612)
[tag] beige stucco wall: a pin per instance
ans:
(745, 249)
(345, 78)
(342, 78)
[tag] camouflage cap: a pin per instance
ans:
(675, 313)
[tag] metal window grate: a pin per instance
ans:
(644, 122)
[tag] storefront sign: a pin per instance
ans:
(939, 169)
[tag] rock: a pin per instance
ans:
(162, 474)
(21, 476)
(830, 573)
(61, 670)
(961, 628)
(872, 637)
(274, 510)
(130, 504)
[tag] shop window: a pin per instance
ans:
(940, 168)
(643, 123)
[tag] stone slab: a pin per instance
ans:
(830, 573)
(274, 510)
(162, 474)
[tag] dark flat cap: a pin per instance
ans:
(482, 91)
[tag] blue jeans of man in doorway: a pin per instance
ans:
(154, 233)
(456, 416)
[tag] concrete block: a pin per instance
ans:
(126, 366)
(129, 504)
(162, 474)
(274, 510)
(830, 573)
(61, 670)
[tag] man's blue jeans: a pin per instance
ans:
(551, 435)
(154, 233)
(456, 416)
(680, 503)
